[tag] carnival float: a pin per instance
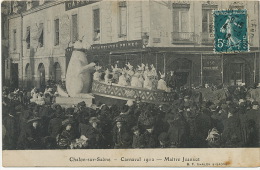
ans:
(130, 83)
(89, 79)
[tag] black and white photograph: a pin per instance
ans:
(113, 75)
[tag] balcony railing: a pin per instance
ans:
(207, 38)
(183, 37)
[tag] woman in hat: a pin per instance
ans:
(65, 138)
(121, 137)
(136, 138)
(149, 138)
(34, 134)
(94, 134)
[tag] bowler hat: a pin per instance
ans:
(120, 119)
(82, 104)
(93, 119)
(135, 128)
(66, 122)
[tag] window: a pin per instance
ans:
(122, 19)
(27, 37)
(74, 28)
(41, 35)
(57, 32)
(181, 29)
(207, 21)
(181, 19)
(96, 23)
(15, 7)
(14, 42)
(4, 28)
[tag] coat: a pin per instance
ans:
(95, 137)
(55, 127)
(252, 124)
(11, 132)
(137, 143)
(232, 134)
(149, 140)
(177, 133)
(122, 139)
(34, 137)
(65, 139)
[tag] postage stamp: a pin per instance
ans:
(230, 31)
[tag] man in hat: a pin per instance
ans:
(136, 137)
(10, 123)
(129, 118)
(232, 134)
(34, 134)
(252, 117)
(55, 124)
(94, 134)
(217, 120)
(203, 124)
(121, 136)
(149, 138)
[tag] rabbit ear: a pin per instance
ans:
(160, 73)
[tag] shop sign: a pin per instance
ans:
(122, 45)
(212, 68)
(78, 3)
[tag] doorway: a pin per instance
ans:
(41, 72)
(14, 75)
(57, 72)
(181, 79)
(182, 71)
(237, 73)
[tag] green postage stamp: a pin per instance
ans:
(230, 31)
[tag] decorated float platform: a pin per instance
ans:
(117, 92)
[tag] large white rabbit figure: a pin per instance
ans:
(78, 77)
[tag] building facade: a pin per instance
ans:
(172, 35)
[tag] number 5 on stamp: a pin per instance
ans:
(230, 31)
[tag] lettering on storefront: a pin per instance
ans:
(211, 65)
(78, 3)
(119, 45)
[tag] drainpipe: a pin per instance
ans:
(21, 56)
(201, 70)
(258, 9)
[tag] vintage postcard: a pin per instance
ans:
(130, 83)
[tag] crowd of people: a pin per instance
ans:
(232, 121)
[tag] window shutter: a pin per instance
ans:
(96, 18)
